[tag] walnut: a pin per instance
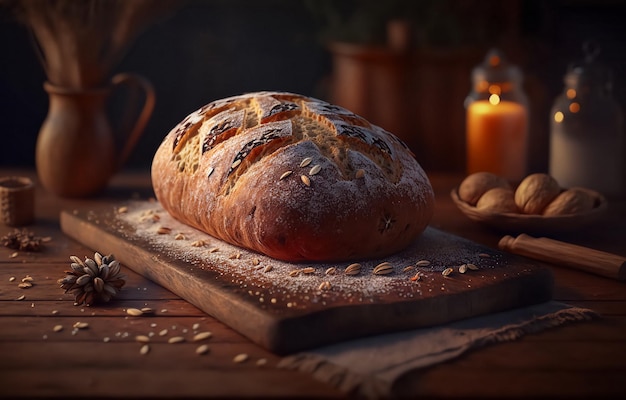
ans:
(571, 201)
(477, 184)
(535, 192)
(497, 200)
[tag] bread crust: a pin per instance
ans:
(292, 177)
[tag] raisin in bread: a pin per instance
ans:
(294, 178)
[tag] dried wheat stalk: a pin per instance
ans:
(80, 41)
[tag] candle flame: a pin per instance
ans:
(494, 99)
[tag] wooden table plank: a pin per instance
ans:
(36, 328)
(450, 381)
(113, 355)
(124, 383)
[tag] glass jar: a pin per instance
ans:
(587, 130)
(497, 119)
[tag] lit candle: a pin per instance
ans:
(497, 120)
(496, 138)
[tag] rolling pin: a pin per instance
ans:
(566, 254)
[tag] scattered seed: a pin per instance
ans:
(305, 179)
(353, 269)
(268, 268)
(383, 268)
(58, 328)
(209, 171)
(176, 339)
(164, 230)
(106, 339)
(422, 263)
(25, 285)
(239, 358)
(163, 332)
(202, 349)
(179, 236)
(360, 173)
(135, 312)
(261, 362)
(235, 256)
(308, 270)
(447, 271)
(195, 326)
(331, 271)
(213, 250)
(315, 170)
(285, 174)
(484, 255)
(408, 268)
(198, 243)
(306, 162)
(81, 325)
(202, 336)
(22, 297)
(472, 267)
(156, 217)
(294, 272)
(147, 310)
(27, 278)
(122, 210)
(142, 338)
(324, 286)
(463, 268)
(416, 277)
(145, 349)
(11, 279)
(46, 239)
(13, 255)
(255, 261)
(55, 312)
(235, 164)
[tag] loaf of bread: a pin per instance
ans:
(294, 178)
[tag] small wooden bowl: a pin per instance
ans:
(531, 223)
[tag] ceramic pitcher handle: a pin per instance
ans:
(146, 111)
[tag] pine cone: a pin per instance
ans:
(93, 280)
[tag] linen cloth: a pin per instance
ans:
(369, 366)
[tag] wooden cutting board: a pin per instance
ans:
(287, 311)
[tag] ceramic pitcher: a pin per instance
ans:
(77, 151)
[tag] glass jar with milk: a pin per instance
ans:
(587, 130)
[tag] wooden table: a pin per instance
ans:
(104, 359)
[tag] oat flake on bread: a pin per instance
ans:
(294, 178)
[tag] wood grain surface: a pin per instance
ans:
(286, 314)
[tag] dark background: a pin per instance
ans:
(205, 50)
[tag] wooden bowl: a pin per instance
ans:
(532, 223)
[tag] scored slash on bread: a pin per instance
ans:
(233, 169)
